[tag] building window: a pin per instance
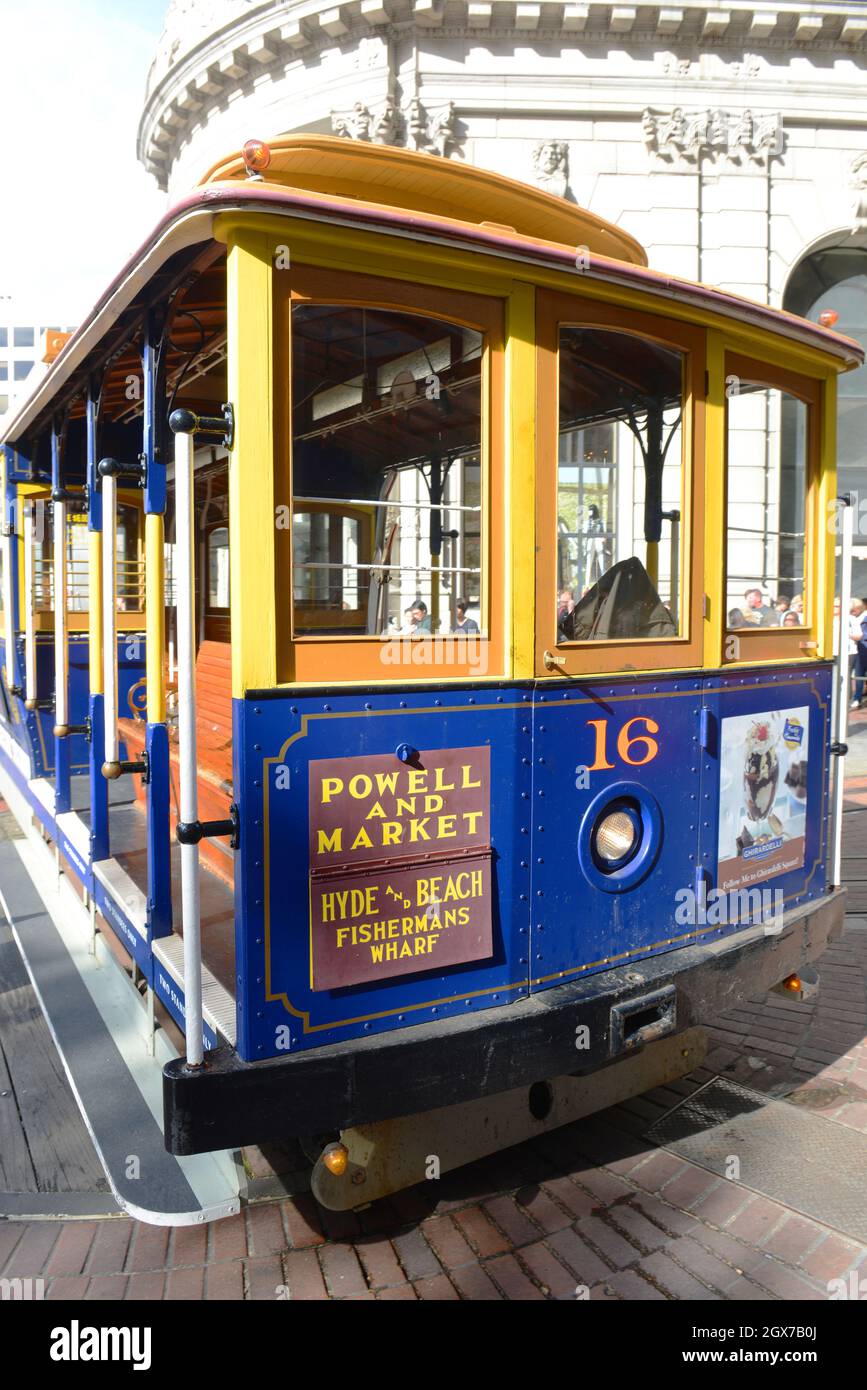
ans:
(4, 371)
(22, 370)
(619, 487)
(4, 337)
(4, 404)
(23, 337)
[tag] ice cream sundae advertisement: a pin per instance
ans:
(763, 796)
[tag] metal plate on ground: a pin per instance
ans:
(806, 1162)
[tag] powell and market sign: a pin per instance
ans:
(400, 864)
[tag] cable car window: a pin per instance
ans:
(619, 487)
(387, 493)
(766, 452)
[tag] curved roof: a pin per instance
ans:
(384, 176)
(190, 223)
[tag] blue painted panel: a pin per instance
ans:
(158, 797)
(275, 740)
(600, 748)
(793, 708)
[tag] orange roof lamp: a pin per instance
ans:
(257, 156)
(828, 318)
(52, 344)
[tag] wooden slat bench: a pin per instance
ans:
(214, 745)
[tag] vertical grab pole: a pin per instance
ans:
(111, 764)
(29, 605)
(99, 841)
(158, 793)
(185, 578)
(62, 754)
(841, 683)
(61, 653)
(7, 531)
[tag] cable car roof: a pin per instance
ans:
(180, 235)
(414, 182)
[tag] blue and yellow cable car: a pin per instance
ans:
(389, 650)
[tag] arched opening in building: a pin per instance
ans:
(835, 278)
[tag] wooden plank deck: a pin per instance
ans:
(44, 1143)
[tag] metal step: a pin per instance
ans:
(99, 1025)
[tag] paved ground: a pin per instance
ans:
(594, 1206)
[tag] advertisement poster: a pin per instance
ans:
(400, 864)
(763, 796)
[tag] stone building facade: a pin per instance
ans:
(729, 137)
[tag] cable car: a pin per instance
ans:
(421, 725)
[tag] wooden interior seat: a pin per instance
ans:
(214, 750)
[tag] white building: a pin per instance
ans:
(22, 349)
(729, 137)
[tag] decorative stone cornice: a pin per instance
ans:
(211, 49)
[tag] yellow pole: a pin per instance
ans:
(520, 481)
(716, 524)
(155, 621)
(251, 464)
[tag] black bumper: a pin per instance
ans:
(228, 1103)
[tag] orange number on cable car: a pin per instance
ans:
(626, 742)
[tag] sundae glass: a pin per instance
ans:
(761, 776)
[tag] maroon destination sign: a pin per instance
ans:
(400, 864)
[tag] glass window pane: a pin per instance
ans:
(766, 450)
(619, 486)
(22, 370)
(218, 567)
(23, 337)
(386, 430)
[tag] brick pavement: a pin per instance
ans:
(593, 1206)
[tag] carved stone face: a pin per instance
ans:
(549, 157)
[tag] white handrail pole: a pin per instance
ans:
(841, 682)
(61, 650)
(7, 550)
(29, 605)
(109, 618)
(185, 587)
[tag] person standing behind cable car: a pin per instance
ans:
(856, 678)
(462, 623)
(757, 612)
(420, 616)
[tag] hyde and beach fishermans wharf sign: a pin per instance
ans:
(400, 864)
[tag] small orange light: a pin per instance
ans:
(336, 1159)
(793, 982)
(828, 318)
(257, 155)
